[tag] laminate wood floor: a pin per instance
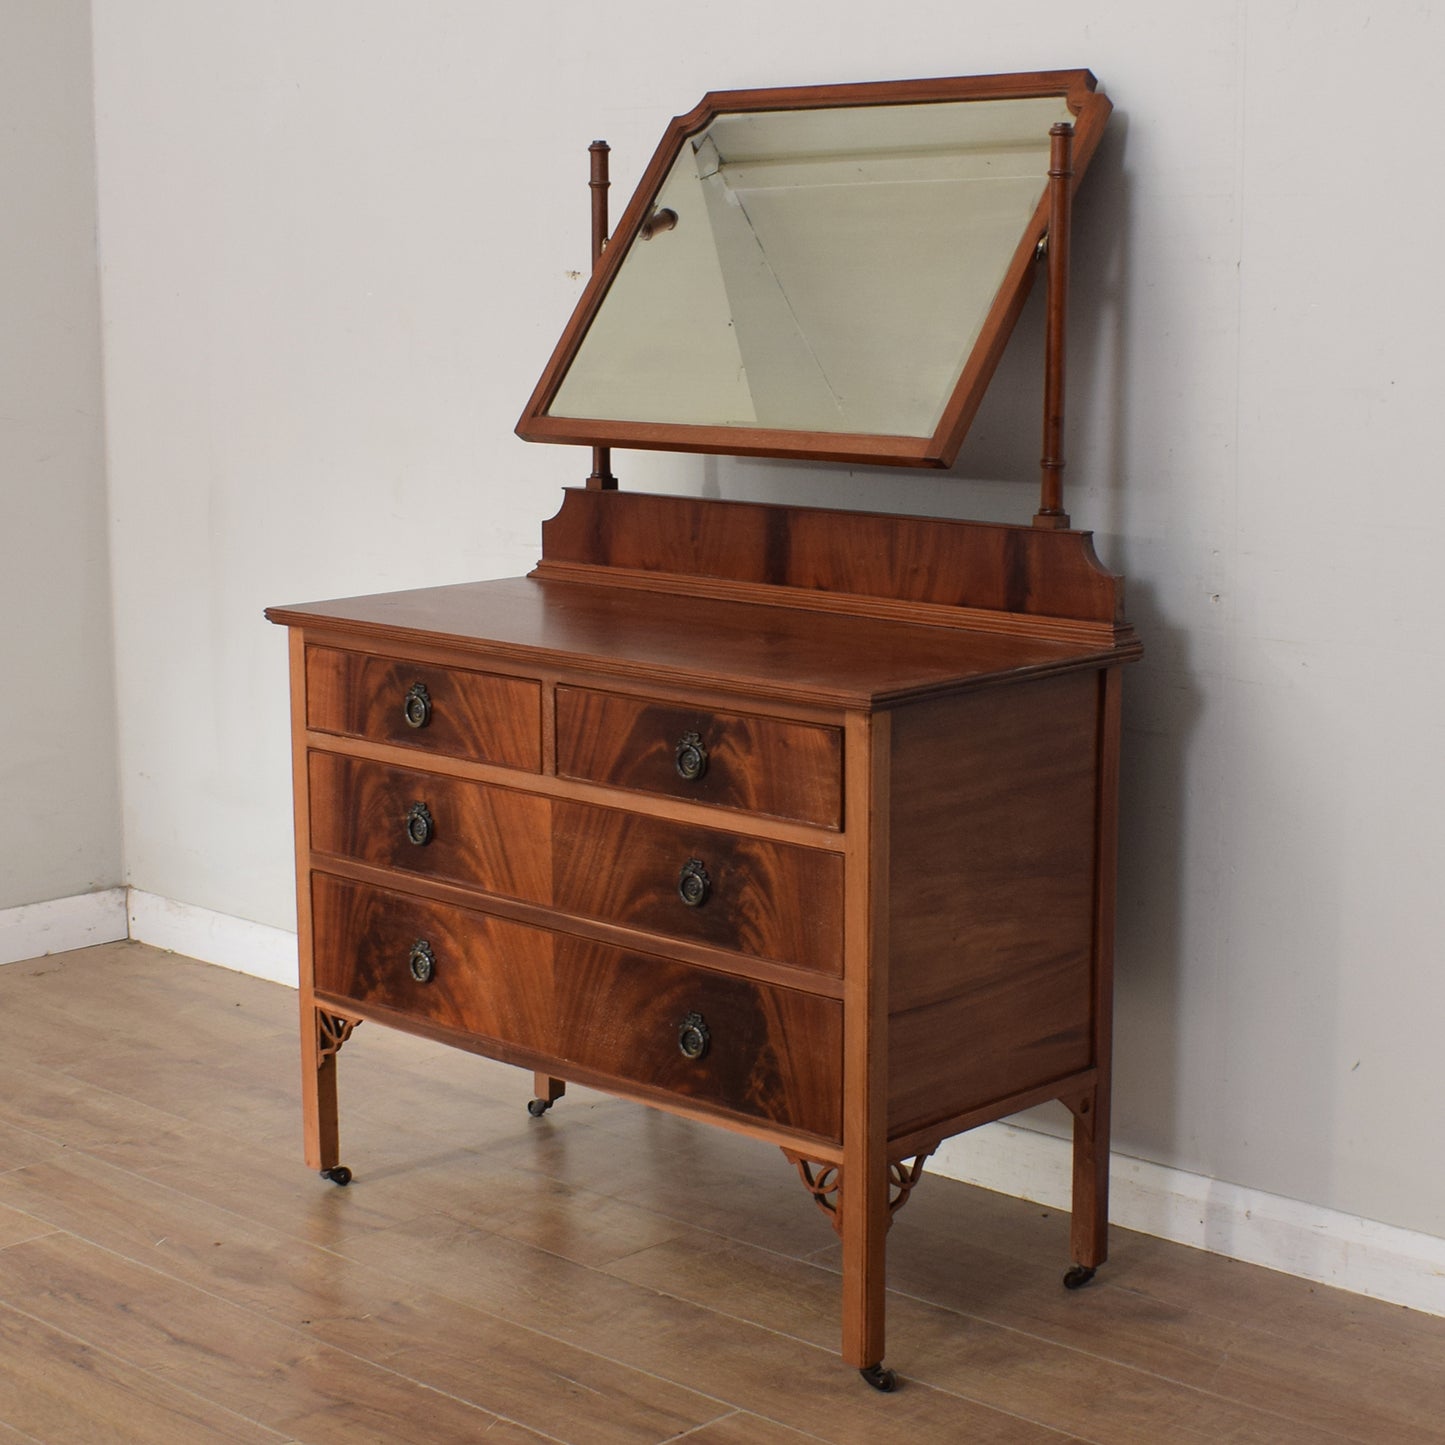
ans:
(170, 1271)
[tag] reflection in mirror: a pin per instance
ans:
(822, 270)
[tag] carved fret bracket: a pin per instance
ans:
(823, 1181)
(332, 1030)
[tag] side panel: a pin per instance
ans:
(992, 892)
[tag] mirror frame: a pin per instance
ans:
(1090, 108)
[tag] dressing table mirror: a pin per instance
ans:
(799, 822)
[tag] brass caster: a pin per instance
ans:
(880, 1378)
(1078, 1276)
(537, 1107)
(340, 1175)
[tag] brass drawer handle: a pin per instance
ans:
(417, 706)
(419, 825)
(693, 1037)
(693, 884)
(421, 961)
(691, 757)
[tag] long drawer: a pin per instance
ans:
(556, 1000)
(758, 764)
(480, 716)
(769, 900)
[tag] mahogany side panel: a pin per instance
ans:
(770, 1053)
(477, 715)
(992, 895)
(979, 565)
(757, 764)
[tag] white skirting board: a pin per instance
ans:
(235, 943)
(1323, 1245)
(1340, 1250)
(62, 924)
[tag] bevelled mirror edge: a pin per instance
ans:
(1089, 109)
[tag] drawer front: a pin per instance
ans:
(767, 1053)
(769, 900)
(733, 760)
(495, 839)
(481, 716)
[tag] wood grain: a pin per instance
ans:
(756, 764)
(765, 899)
(805, 658)
(979, 565)
(992, 886)
(774, 1053)
(477, 715)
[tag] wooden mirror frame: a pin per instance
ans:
(1090, 109)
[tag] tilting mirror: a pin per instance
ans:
(827, 272)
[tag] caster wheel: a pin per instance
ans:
(340, 1175)
(537, 1107)
(1078, 1276)
(880, 1378)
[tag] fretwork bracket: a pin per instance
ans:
(823, 1181)
(332, 1030)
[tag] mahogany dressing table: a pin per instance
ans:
(797, 821)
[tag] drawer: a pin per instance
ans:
(495, 839)
(481, 716)
(769, 900)
(733, 760)
(553, 1000)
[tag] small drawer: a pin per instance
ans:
(480, 716)
(733, 760)
(551, 1000)
(495, 839)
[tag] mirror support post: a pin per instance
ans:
(1051, 482)
(600, 478)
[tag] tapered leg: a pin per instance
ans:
(863, 1224)
(322, 1034)
(547, 1091)
(1089, 1228)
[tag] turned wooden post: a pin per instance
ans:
(600, 478)
(1051, 481)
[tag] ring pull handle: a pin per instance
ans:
(416, 708)
(420, 826)
(421, 961)
(693, 884)
(693, 1037)
(691, 757)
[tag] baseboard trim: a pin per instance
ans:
(80, 921)
(1326, 1246)
(234, 943)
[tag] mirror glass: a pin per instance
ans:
(817, 270)
(828, 272)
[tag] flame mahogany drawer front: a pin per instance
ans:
(734, 760)
(754, 1049)
(770, 900)
(481, 716)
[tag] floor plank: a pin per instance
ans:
(606, 1275)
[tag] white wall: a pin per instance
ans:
(340, 239)
(57, 725)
